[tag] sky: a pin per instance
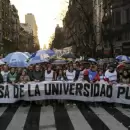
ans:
(47, 14)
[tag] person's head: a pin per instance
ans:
(19, 70)
(94, 66)
(81, 66)
(60, 72)
(5, 68)
(49, 68)
(24, 72)
(12, 70)
(49, 65)
(58, 67)
(125, 73)
(37, 68)
(30, 67)
(100, 72)
(74, 65)
(111, 68)
(71, 63)
(71, 68)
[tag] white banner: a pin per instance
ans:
(82, 91)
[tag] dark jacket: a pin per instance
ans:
(38, 75)
(30, 74)
(77, 75)
(1, 78)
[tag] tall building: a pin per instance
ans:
(30, 20)
(9, 27)
(117, 26)
(26, 27)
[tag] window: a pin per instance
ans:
(127, 15)
(119, 38)
(117, 18)
(127, 36)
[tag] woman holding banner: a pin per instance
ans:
(70, 73)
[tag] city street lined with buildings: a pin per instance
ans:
(68, 42)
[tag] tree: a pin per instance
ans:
(79, 21)
(51, 40)
(58, 41)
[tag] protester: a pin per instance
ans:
(1, 78)
(4, 73)
(111, 74)
(125, 77)
(101, 75)
(19, 72)
(60, 75)
(12, 76)
(79, 72)
(38, 74)
(49, 74)
(30, 72)
(91, 75)
(73, 71)
(70, 73)
(24, 78)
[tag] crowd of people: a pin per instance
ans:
(91, 72)
(72, 71)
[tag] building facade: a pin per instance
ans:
(30, 20)
(26, 37)
(117, 27)
(11, 32)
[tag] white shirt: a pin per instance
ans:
(81, 75)
(4, 75)
(70, 75)
(48, 77)
(111, 76)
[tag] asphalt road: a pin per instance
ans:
(78, 117)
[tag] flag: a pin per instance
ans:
(33, 55)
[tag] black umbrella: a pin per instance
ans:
(69, 55)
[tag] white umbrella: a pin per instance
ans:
(1, 62)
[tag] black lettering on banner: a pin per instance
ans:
(86, 87)
(47, 89)
(96, 90)
(79, 89)
(21, 90)
(60, 87)
(109, 91)
(55, 89)
(29, 91)
(66, 88)
(37, 91)
(91, 90)
(1, 91)
(121, 90)
(72, 88)
(16, 91)
(127, 96)
(103, 91)
(6, 92)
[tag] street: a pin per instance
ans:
(77, 117)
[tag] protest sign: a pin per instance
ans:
(81, 91)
